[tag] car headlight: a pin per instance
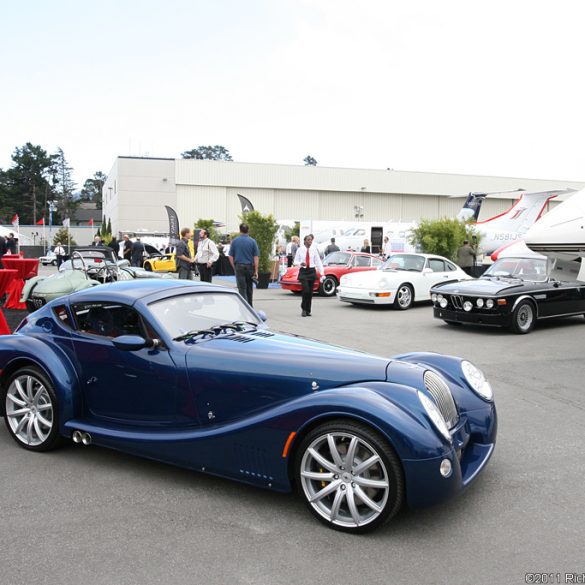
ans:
(489, 304)
(477, 380)
(443, 303)
(434, 297)
(467, 306)
(434, 414)
(479, 303)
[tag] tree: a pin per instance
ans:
(310, 161)
(64, 238)
(263, 229)
(28, 184)
(92, 189)
(443, 236)
(207, 224)
(67, 201)
(216, 152)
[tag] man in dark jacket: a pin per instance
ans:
(3, 249)
(183, 257)
(137, 253)
(10, 244)
(115, 245)
(127, 248)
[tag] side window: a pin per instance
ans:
(63, 315)
(450, 267)
(107, 319)
(376, 262)
(361, 261)
(436, 265)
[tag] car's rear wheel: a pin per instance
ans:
(328, 286)
(349, 476)
(30, 405)
(54, 263)
(404, 297)
(295, 292)
(523, 317)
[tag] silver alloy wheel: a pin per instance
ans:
(344, 479)
(329, 286)
(525, 317)
(29, 410)
(404, 296)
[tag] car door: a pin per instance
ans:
(435, 271)
(138, 387)
(562, 299)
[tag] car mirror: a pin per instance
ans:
(262, 315)
(123, 263)
(428, 270)
(129, 342)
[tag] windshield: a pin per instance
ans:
(533, 269)
(410, 262)
(337, 259)
(190, 312)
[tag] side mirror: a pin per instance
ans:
(129, 342)
(123, 263)
(262, 315)
(428, 270)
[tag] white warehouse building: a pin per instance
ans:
(137, 190)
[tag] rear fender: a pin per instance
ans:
(17, 351)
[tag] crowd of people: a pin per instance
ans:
(8, 245)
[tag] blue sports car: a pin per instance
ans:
(187, 373)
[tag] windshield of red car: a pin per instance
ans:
(337, 259)
(190, 312)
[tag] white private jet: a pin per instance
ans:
(512, 225)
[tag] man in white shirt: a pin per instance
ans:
(207, 254)
(386, 248)
(309, 260)
(60, 253)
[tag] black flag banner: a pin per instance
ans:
(173, 226)
(246, 204)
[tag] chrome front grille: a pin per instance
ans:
(457, 301)
(439, 390)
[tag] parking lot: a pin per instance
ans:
(88, 515)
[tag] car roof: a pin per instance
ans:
(130, 291)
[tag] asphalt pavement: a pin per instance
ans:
(90, 515)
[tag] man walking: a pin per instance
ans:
(137, 253)
(466, 257)
(308, 259)
(60, 253)
(207, 254)
(183, 256)
(243, 255)
(332, 247)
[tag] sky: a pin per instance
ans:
(454, 86)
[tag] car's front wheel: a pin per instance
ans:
(404, 297)
(523, 317)
(349, 476)
(148, 267)
(328, 286)
(30, 405)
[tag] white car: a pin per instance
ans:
(50, 258)
(401, 280)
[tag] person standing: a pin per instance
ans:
(207, 254)
(60, 253)
(3, 250)
(97, 241)
(183, 256)
(115, 245)
(126, 248)
(332, 247)
(386, 248)
(244, 255)
(366, 248)
(466, 257)
(307, 257)
(11, 244)
(137, 257)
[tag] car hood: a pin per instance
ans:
(60, 283)
(371, 278)
(481, 286)
(293, 364)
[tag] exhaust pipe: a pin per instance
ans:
(77, 436)
(86, 439)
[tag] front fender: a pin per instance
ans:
(19, 350)
(28, 286)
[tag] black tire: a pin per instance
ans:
(404, 297)
(52, 439)
(523, 317)
(296, 292)
(328, 287)
(389, 468)
(454, 323)
(148, 267)
(54, 263)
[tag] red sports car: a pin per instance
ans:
(336, 265)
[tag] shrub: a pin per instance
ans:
(263, 229)
(443, 236)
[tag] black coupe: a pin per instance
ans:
(513, 293)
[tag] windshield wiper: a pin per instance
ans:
(194, 333)
(241, 325)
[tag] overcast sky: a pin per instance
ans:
(454, 86)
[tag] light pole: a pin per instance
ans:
(52, 207)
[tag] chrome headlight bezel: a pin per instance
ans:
(434, 415)
(477, 381)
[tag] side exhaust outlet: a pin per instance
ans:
(86, 439)
(77, 436)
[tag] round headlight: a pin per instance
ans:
(479, 303)
(434, 414)
(446, 468)
(443, 303)
(477, 380)
(489, 304)
(434, 298)
(439, 298)
(467, 306)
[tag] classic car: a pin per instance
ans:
(164, 263)
(513, 293)
(50, 258)
(401, 281)
(188, 373)
(95, 256)
(39, 290)
(335, 265)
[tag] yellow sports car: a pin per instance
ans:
(166, 262)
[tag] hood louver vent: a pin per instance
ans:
(262, 334)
